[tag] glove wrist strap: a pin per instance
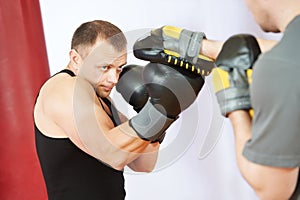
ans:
(232, 99)
(149, 123)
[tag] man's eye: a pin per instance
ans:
(119, 70)
(103, 68)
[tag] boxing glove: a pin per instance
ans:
(232, 76)
(175, 47)
(133, 90)
(171, 91)
(132, 87)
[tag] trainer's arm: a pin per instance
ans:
(266, 45)
(268, 182)
(212, 48)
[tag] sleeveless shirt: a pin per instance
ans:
(72, 174)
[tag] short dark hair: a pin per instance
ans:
(87, 34)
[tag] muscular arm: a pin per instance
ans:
(146, 161)
(90, 128)
(268, 182)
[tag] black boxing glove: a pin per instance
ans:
(132, 87)
(175, 47)
(171, 91)
(232, 77)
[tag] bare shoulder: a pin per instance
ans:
(56, 91)
(53, 112)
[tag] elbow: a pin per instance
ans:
(118, 165)
(142, 168)
(265, 192)
(269, 194)
(115, 163)
(147, 169)
(121, 165)
(118, 168)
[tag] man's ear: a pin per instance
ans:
(75, 59)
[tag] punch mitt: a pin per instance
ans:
(232, 77)
(174, 47)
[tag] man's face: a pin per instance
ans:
(102, 67)
(262, 12)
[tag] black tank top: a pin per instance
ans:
(71, 174)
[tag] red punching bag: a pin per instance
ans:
(23, 69)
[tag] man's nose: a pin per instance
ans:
(113, 76)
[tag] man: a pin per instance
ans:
(83, 143)
(267, 146)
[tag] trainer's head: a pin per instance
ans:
(275, 15)
(98, 51)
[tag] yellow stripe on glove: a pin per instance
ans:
(220, 80)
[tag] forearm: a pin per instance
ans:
(241, 123)
(212, 48)
(147, 160)
(266, 45)
(123, 146)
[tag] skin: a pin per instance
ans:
(275, 19)
(212, 48)
(68, 107)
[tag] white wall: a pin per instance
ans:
(197, 160)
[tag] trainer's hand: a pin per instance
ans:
(171, 91)
(174, 46)
(132, 87)
(232, 76)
